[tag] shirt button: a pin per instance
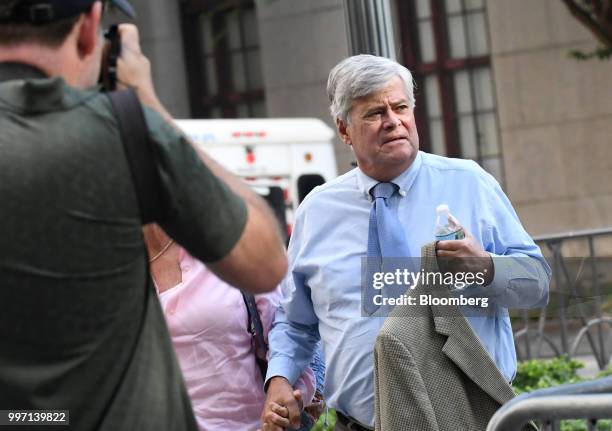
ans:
(402, 193)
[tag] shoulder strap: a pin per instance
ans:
(139, 152)
(256, 330)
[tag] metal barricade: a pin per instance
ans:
(591, 401)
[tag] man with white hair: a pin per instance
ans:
(372, 103)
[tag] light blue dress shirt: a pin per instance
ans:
(322, 288)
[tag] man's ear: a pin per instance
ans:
(88, 30)
(343, 131)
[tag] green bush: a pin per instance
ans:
(605, 373)
(331, 422)
(538, 374)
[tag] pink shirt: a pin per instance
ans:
(208, 322)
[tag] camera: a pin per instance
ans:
(110, 53)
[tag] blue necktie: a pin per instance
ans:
(386, 238)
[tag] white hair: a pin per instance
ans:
(359, 76)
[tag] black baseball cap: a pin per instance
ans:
(46, 11)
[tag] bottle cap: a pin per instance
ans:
(442, 208)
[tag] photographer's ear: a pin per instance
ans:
(89, 27)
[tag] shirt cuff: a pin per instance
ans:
(502, 271)
(282, 366)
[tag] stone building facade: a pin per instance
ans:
(495, 83)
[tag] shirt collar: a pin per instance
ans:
(404, 180)
(11, 70)
(27, 89)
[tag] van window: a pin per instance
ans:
(275, 197)
(306, 183)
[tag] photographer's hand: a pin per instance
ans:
(134, 70)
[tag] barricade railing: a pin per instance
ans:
(591, 401)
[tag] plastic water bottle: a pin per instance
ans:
(447, 226)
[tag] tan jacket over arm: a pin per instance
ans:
(431, 371)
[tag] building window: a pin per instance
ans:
(223, 59)
(445, 43)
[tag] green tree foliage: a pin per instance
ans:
(596, 15)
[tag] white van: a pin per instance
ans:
(283, 159)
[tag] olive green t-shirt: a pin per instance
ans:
(80, 326)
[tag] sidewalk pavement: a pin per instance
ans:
(590, 369)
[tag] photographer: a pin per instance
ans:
(80, 326)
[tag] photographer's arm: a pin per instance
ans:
(257, 262)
